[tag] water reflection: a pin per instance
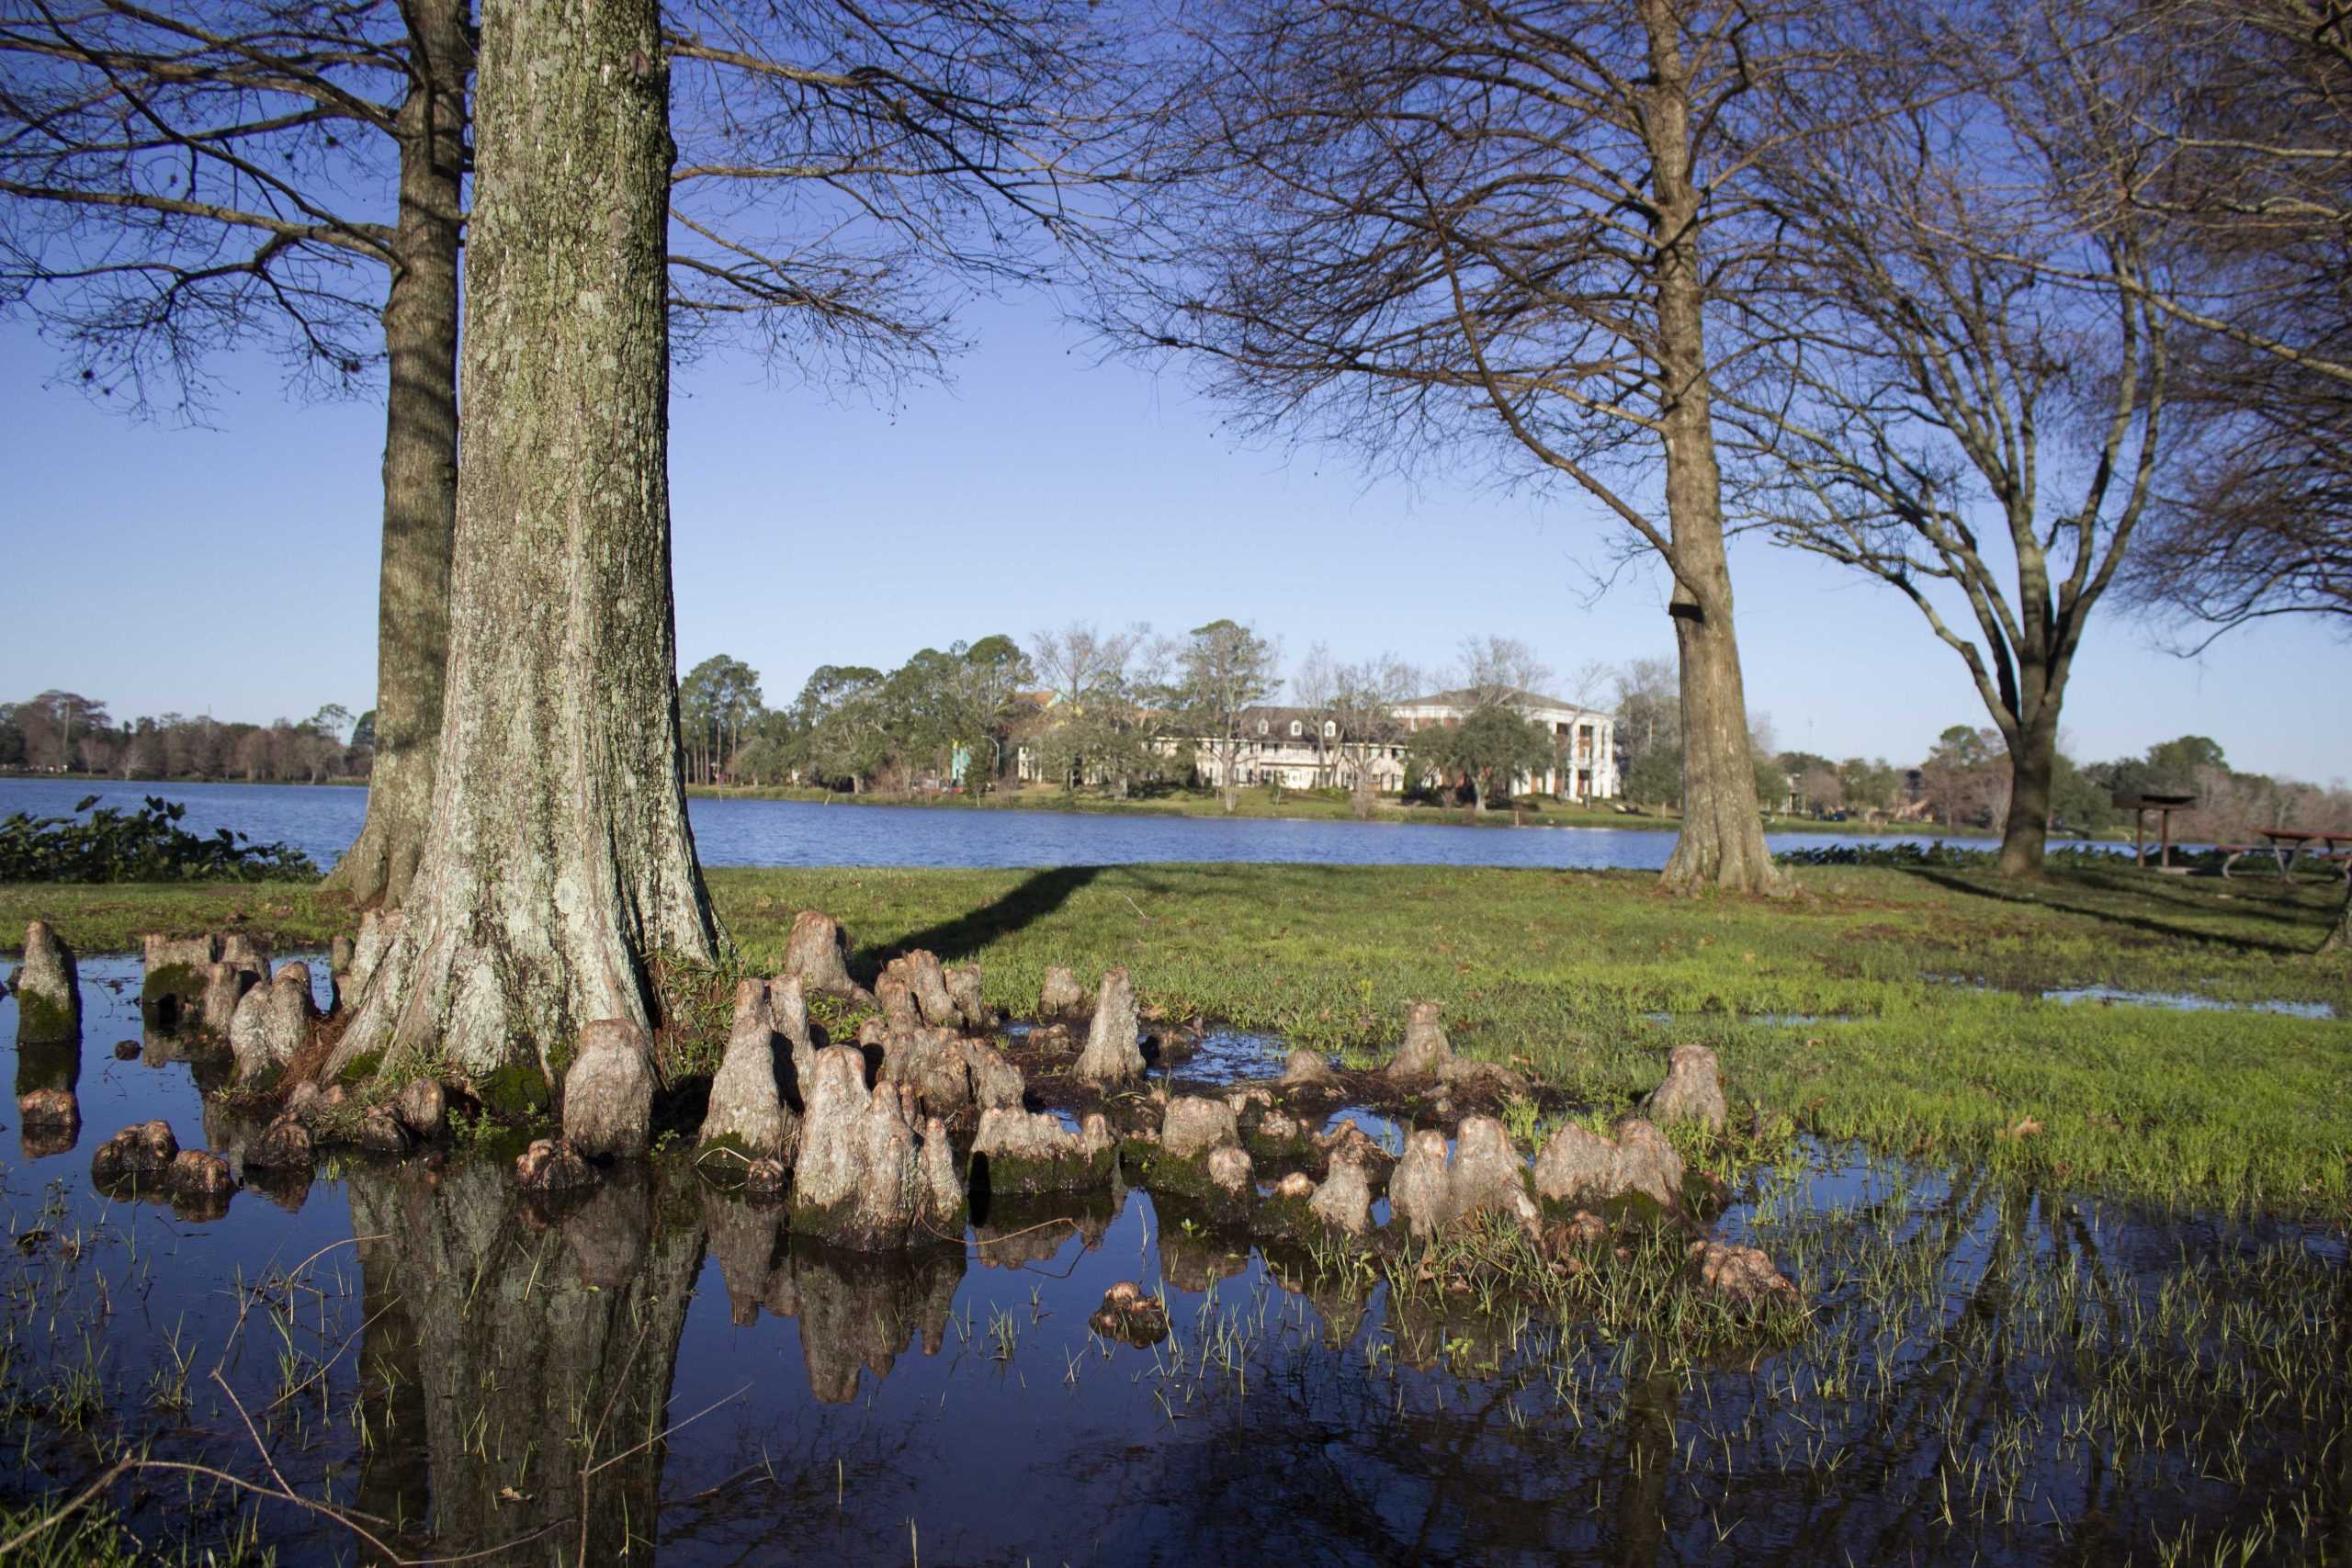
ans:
(532, 1354)
(661, 1373)
(49, 1105)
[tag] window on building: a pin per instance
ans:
(1262, 727)
(1330, 728)
(1294, 730)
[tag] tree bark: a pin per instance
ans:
(1722, 841)
(420, 460)
(2033, 763)
(560, 860)
(2340, 939)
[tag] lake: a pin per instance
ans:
(321, 822)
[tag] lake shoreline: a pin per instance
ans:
(1203, 804)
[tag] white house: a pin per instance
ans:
(1295, 748)
(1584, 741)
(1299, 749)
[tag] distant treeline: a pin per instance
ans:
(1964, 781)
(65, 732)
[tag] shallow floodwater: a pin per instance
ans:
(661, 1375)
(322, 822)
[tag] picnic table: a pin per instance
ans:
(2288, 844)
(2164, 805)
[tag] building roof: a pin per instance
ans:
(1467, 697)
(1275, 715)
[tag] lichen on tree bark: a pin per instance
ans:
(559, 861)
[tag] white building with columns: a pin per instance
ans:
(1300, 750)
(1584, 741)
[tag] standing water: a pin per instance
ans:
(664, 1375)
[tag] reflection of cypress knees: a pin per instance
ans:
(557, 1345)
(49, 1120)
(863, 1310)
(744, 1237)
(48, 991)
(57, 1066)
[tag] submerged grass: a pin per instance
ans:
(1827, 1011)
(1899, 1008)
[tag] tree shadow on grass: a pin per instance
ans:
(1032, 899)
(2039, 896)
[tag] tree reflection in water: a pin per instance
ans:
(913, 1402)
(520, 1361)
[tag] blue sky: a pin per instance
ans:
(233, 568)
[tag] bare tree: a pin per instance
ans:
(1102, 684)
(2244, 149)
(1650, 729)
(217, 174)
(1314, 689)
(1500, 672)
(558, 862)
(1589, 682)
(1222, 669)
(849, 171)
(1482, 236)
(281, 171)
(1977, 435)
(1080, 659)
(1364, 700)
(2251, 154)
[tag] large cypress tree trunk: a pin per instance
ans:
(1722, 841)
(420, 460)
(2340, 939)
(559, 861)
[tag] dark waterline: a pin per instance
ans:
(949, 1405)
(321, 822)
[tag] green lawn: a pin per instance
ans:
(1922, 1028)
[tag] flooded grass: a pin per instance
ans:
(408, 1360)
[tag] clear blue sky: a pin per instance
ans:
(233, 570)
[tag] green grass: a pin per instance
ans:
(1932, 1039)
(110, 917)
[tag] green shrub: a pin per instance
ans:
(146, 845)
